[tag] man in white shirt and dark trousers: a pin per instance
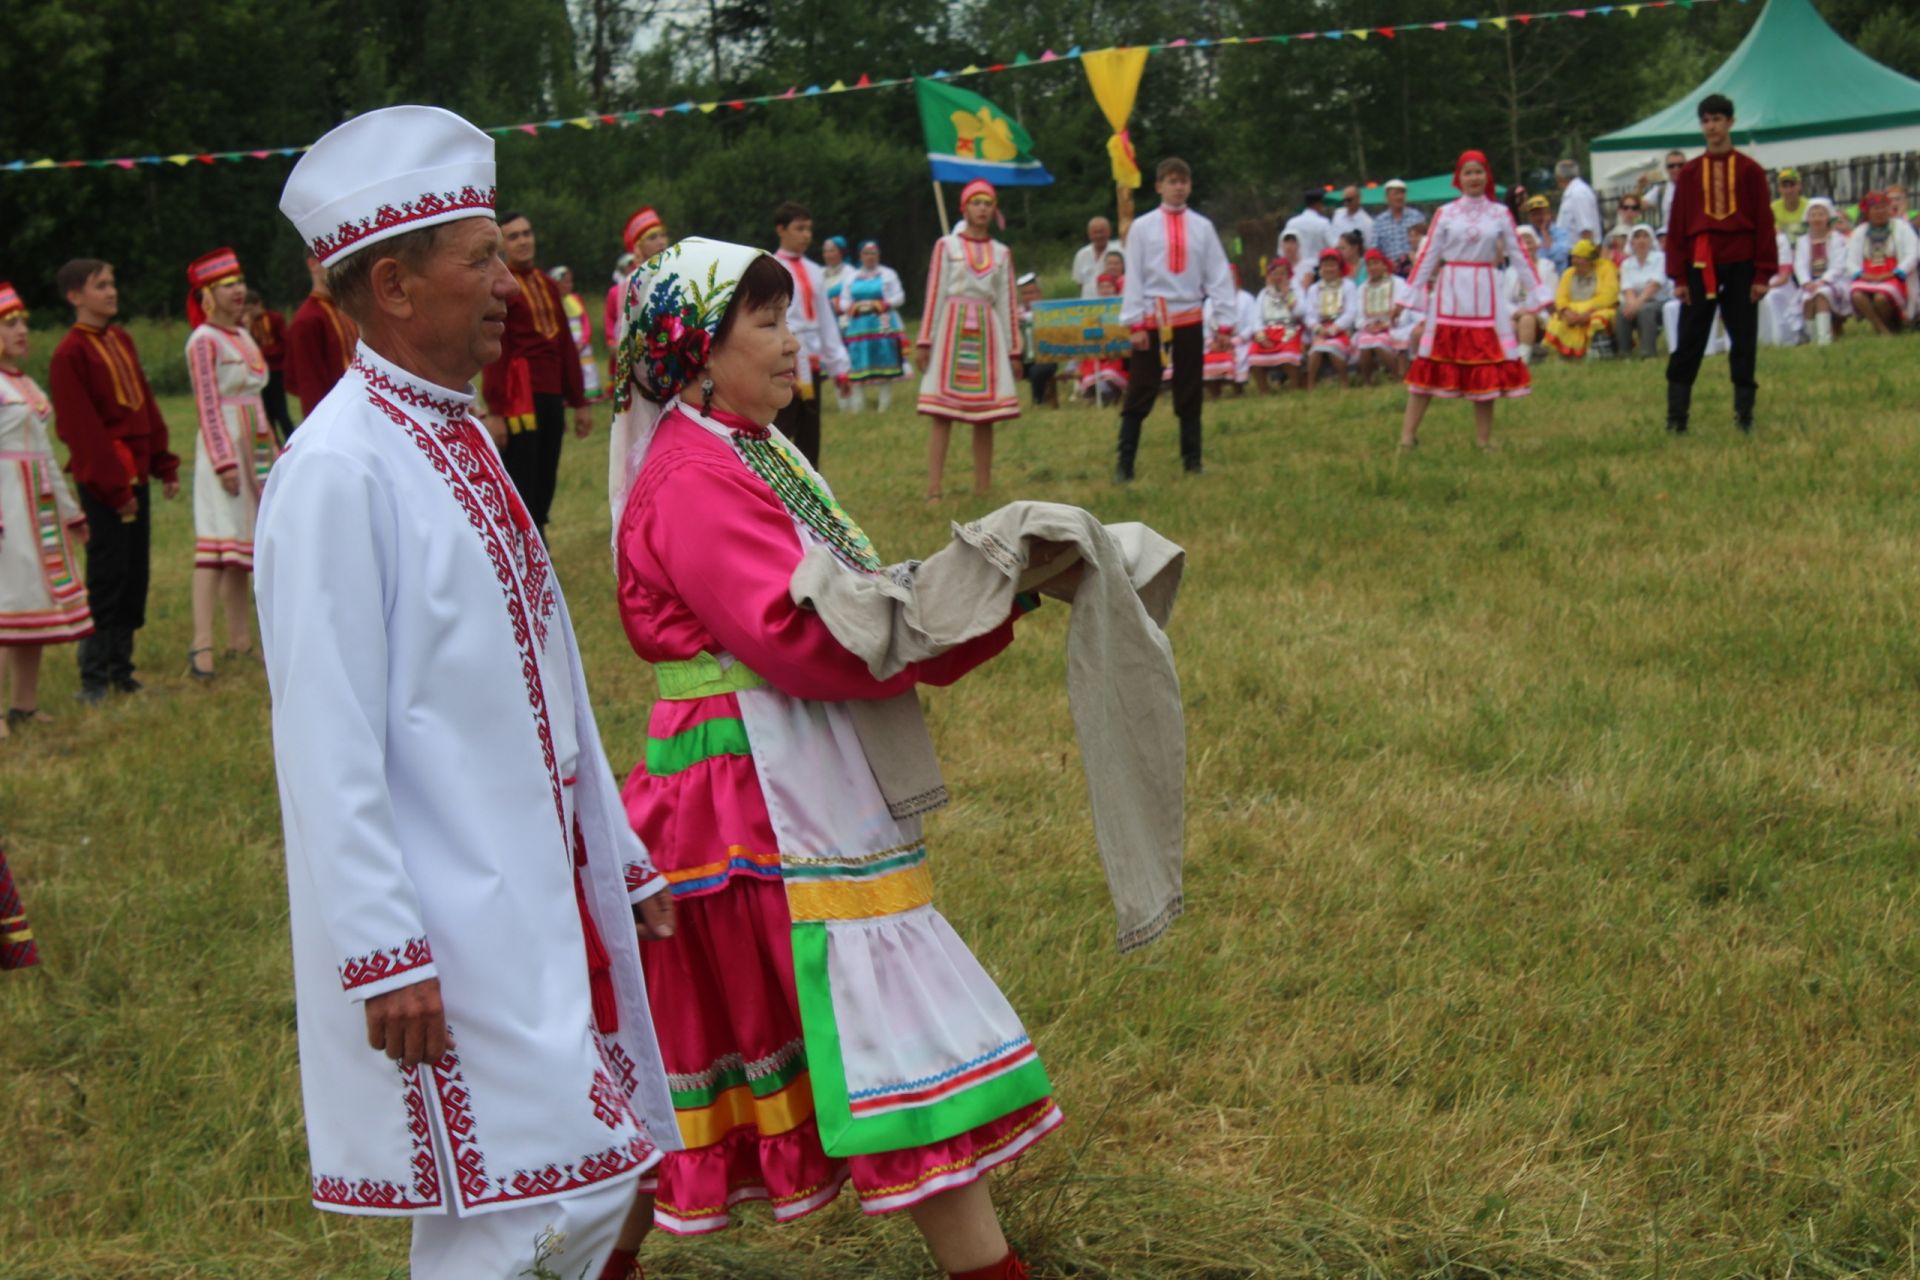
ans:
(1175, 265)
(823, 353)
(1310, 227)
(1579, 207)
(1351, 217)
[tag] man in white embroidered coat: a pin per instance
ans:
(475, 1044)
(811, 317)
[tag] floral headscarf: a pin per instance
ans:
(675, 303)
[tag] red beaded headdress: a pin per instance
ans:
(1467, 157)
(208, 269)
(638, 225)
(10, 303)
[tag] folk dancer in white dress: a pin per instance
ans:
(1525, 313)
(1227, 363)
(869, 300)
(236, 447)
(969, 345)
(1820, 267)
(1380, 338)
(1333, 313)
(476, 1048)
(1782, 323)
(1278, 338)
(1467, 349)
(43, 596)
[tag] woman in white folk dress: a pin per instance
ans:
(235, 447)
(43, 596)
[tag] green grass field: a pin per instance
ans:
(1552, 871)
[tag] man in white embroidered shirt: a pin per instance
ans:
(467, 898)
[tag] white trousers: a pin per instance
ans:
(505, 1245)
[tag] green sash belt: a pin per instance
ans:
(702, 676)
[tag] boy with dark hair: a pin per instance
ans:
(269, 330)
(812, 320)
(117, 442)
(1721, 253)
(1175, 265)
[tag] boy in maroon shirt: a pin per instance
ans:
(116, 441)
(1720, 255)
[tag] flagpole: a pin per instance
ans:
(940, 203)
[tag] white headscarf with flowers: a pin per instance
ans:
(675, 303)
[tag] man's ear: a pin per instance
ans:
(389, 282)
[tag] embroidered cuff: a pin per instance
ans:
(378, 972)
(222, 468)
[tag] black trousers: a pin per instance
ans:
(1143, 388)
(1040, 376)
(800, 423)
(274, 397)
(118, 565)
(532, 454)
(1740, 313)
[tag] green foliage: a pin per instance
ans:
(1550, 878)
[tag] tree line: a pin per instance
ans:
(1259, 124)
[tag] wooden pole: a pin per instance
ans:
(1123, 204)
(940, 203)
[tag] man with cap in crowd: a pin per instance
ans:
(320, 343)
(1790, 210)
(1555, 244)
(1310, 227)
(466, 893)
(1393, 229)
(1090, 263)
(1721, 252)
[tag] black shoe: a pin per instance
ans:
(127, 684)
(1744, 422)
(91, 694)
(1197, 469)
(1123, 475)
(1677, 425)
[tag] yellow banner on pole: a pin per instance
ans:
(1114, 75)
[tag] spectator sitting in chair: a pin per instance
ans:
(1643, 287)
(1880, 261)
(1554, 242)
(1589, 294)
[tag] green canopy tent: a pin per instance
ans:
(1421, 191)
(1801, 95)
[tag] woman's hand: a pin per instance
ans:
(653, 917)
(230, 481)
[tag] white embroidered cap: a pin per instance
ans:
(388, 171)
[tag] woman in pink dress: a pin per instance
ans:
(820, 1021)
(1467, 350)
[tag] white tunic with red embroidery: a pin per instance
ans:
(440, 773)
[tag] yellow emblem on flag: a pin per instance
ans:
(983, 136)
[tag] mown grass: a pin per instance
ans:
(1552, 877)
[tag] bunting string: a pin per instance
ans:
(618, 119)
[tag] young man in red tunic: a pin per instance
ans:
(1720, 255)
(320, 343)
(537, 377)
(116, 443)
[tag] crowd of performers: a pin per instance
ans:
(698, 1067)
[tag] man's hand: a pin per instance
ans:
(497, 428)
(1759, 290)
(582, 422)
(1141, 339)
(82, 532)
(1683, 293)
(653, 917)
(129, 510)
(409, 1025)
(230, 481)
(171, 488)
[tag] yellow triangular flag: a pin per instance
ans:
(1359, 33)
(180, 159)
(970, 69)
(41, 164)
(1499, 22)
(1633, 10)
(707, 108)
(581, 122)
(838, 86)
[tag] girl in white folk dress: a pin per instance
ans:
(969, 346)
(43, 599)
(235, 447)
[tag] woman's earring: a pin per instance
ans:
(706, 395)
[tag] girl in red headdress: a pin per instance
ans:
(43, 599)
(969, 344)
(236, 446)
(1467, 349)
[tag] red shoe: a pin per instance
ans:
(624, 1264)
(1008, 1268)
